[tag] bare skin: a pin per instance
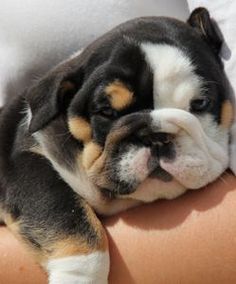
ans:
(188, 240)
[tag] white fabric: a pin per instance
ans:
(224, 13)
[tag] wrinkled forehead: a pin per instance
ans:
(175, 82)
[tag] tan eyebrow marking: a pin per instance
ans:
(227, 114)
(80, 128)
(120, 96)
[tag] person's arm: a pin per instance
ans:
(16, 265)
(191, 239)
(188, 240)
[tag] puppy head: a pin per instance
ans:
(147, 101)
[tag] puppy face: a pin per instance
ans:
(148, 100)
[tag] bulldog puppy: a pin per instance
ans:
(142, 113)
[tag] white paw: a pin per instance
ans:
(80, 269)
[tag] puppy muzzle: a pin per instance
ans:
(165, 144)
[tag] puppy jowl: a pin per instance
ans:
(138, 104)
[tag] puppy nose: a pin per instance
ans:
(149, 138)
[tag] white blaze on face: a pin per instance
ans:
(174, 80)
(200, 143)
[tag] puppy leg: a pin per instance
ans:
(58, 227)
(75, 260)
(70, 252)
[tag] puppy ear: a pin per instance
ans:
(50, 96)
(201, 21)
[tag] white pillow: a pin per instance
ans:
(224, 13)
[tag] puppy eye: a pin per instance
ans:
(108, 112)
(200, 104)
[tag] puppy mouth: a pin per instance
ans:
(157, 172)
(161, 174)
(144, 164)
